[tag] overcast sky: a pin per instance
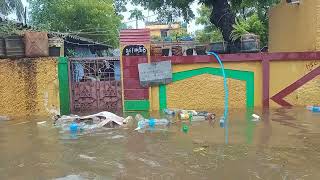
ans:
(191, 26)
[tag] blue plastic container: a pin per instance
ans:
(222, 122)
(73, 127)
(152, 123)
(314, 108)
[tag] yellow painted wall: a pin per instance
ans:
(206, 91)
(284, 73)
(155, 30)
(29, 87)
(294, 28)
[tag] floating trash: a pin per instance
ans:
(222, 121)
(169, 112)
(82, 156)
(185, 128)
(4, 118)
(151, 123)
(75, 124)
(313, 108)
(256, 117)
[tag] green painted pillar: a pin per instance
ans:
(63, 74)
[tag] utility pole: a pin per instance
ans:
(25, 15)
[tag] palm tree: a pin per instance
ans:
(12, 6)
(137, 15)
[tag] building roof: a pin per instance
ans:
(19, 25)
(77, 40)
(159, 23)
(68, 38)
(135, 36)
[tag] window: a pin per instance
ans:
(164, 33)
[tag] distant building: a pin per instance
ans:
(76, 46)
(162, 30)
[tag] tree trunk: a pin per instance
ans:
(223, 18)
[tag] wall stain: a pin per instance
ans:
(29, 72)
(23, 85)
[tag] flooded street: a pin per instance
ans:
(283, 145)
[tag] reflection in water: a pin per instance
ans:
(283, 145)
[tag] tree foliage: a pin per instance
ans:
(221, 14)
(95, 19)
(251, 17)
(210, 32)
(10, 28)
(120, 6)
(137, 15)
(12, 6)
(181, 7)
(250, 25)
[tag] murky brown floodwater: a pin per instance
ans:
(284, 145)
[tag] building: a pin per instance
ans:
(162, 30)
(294, 26)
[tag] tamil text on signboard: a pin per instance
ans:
(155, 73)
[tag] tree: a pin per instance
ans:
(95, 19)
(9, 6)
(223, 12)
(210, 32)
(120, 6)
(137, 15)
(167, 14)
(250, 25)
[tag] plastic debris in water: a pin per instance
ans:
(152, 123)
(87, 157)
(313, 108)
(255, 117)
(185, 128)
(169, 112)
(128, 119)
(4, 118)
(42, 122)
(222, 121)
(73, 127)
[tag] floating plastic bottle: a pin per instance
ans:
(152, 123)
(185, 116)
(222, 122)
(198, 118)
(314, 108)
(169, 112)
(73, 127)
(185, 128)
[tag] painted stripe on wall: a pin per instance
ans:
(63, 74)
(278, 98)
(136, 105)
(233, 74)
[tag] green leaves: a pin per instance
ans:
(181, 7)
(12, 6)
(210, 33)
(94, 19)
(9, 28)
(136, 14)
(250, 25)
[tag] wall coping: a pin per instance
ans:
(241, 57)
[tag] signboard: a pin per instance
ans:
(155, 73)
(134, 50)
